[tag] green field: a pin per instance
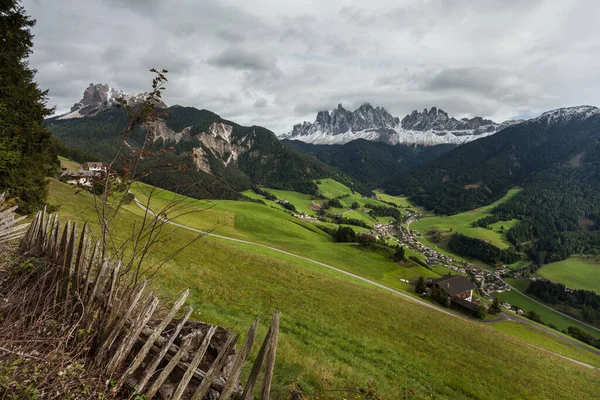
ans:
(548, 316)
(546, 341)
(336, 333)
(461, 223)
(576, 272)
(330, 189)
(70, 165)
(266, 225)
(403, 202)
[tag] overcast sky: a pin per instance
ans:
(277, 62)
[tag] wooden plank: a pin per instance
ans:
(141, 355)
(169, 368)
(234, 375)
(256, 367)
(189, 373)
(163, 351)
(131, 338)
(39, 238)
(52, 249)
(270, 358)
(48, 229)
(98, 281)
(60, 261)
(79, 261)
(91, 263)
(119, 323)
(215, 368)
(113, 285)
(68, 267)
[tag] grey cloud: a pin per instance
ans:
(230, 36)
(260, 103)
(244, 59)
(469, 58)
(470, 78)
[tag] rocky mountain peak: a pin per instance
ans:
(438, 120)
(568, 113)
(429, 127)
(100, 96)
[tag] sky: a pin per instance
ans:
(276, 63)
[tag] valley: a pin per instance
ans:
(357, 201)
(354, 325)
(437, 229)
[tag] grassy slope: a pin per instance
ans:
(545, 340)
(70, 165)
(574, 272)
(260, 224)
(335, 329)
(403, 202)
(461, 223)
(548, 316)
(329, 188)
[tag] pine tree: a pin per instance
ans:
(420, 286)
(26, 152)
(496, 307)
(400, 254)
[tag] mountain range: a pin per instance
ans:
(428, 128)
(554, 158)
(193, 151)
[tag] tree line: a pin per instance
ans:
(481, 250)
(557, 293)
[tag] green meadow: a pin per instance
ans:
(70, 165)
(269, 226)
(329, 189)
(446, 226)
(549, 316)
(576, 272)
(545, 340)
(337, 333)
(403, 202)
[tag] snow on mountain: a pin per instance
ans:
(568, 113)
(429, 127)
(98, 97)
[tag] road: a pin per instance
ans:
(341, 271)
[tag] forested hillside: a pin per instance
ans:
(217, 168)
(371, 162)
(555, 158)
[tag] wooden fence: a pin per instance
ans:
(158, 357)
(10, 229)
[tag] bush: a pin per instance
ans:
(366, 239)
(532, 315)
(480, 312)
(344, 234)
(128, 198)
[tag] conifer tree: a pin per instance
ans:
(26, 152)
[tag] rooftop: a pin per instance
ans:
(454, 285)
